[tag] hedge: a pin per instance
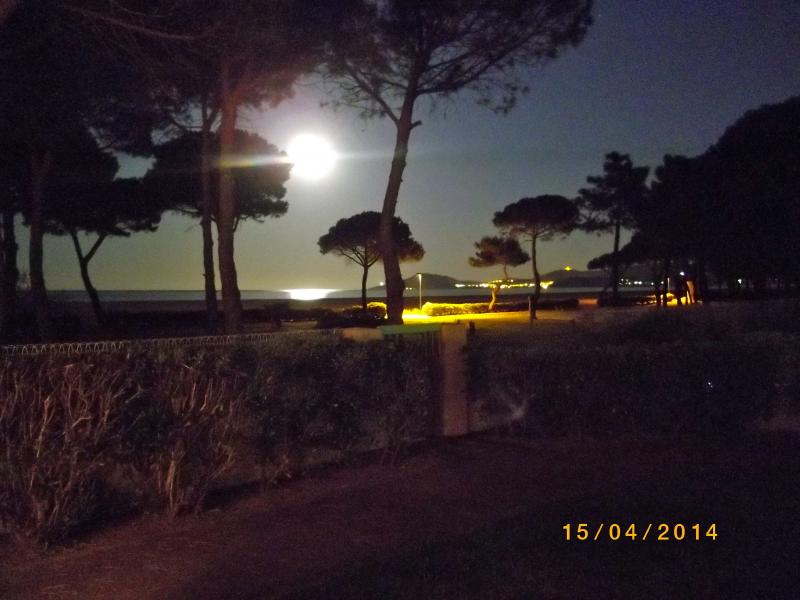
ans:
(165, 425)
(701, 387)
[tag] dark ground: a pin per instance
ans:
(473, 518)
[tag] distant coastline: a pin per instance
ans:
(565, 282)
(114, 296)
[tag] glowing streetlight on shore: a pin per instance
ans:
(419, 276)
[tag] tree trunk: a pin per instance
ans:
(391, 265)
(615, 263)
(83, 262)
(226, 219)
(665, 303)
(40, 167)
(702, 280)
(364, 287)
(207, 210)
(9, 277)
(537, 281)
(495, 288)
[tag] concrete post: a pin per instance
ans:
(454, 399)
(453, 402)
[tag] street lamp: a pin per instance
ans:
(419, 276)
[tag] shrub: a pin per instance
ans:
(442, 309)
(684, 387)
(184, 423)
(67, 424)
(375, 309)
(289, 400)
(325, 394)
(628, 299)
(663, 326)
(59, 424)
(167, 421)
(331, 320)
(395, 382)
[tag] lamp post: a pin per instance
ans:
(419, 277)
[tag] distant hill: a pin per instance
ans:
(564, 278)
(431, 281)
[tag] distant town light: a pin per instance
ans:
(568, 268)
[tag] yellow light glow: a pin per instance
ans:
(308, 293)
(414, 316)
(568, 268)
(312, 157)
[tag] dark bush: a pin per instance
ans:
(333, 320)
(167, 421)
(375, 309)
(667, 326)
(288, 391)
(324, 394)
(60, 423)
(627, 299)
(683, 387)
(394, 382)
(181, 426)
(70, 424)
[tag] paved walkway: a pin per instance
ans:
(336, 524)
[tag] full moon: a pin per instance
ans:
(312, 157)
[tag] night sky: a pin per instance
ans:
(652, 77)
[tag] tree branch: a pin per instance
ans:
(148, 31)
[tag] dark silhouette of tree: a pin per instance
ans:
(732, 211)
(610, 204)
(102, 209)
(401, 51)
(357, 239)
(181, 75)
(37, 130)
(257, 52)
(12, 198)
(537, 219)
(680, 218)
(755, 167)
(498, 251)
(260, 170)
(203, 63)
(640, 250)
(54, 88)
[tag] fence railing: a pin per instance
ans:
(96, 347)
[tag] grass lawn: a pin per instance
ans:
(474, 518)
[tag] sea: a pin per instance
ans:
(80, 296)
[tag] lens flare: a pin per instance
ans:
(312, 157)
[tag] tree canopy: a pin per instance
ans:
(398, 51)
(357, 239)
(493, 251)
(55, 86)
(611, 203)
(535, 219)
(260, 171)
